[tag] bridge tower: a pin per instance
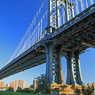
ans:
(54, 12)
(53, 54)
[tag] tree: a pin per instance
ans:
(19, 89)
(27, 90)
(31, 87)
(10, 89)
(43, 85)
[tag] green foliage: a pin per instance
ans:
(10, 89)
(84, 91)
(62, 87)
(89, 91)
(4, 87)
(19, 89)
(32, 86)
(77, 91)
(33, 92)
(26, 90)
(43, 84)
(56, 89)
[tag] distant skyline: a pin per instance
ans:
(15, 18)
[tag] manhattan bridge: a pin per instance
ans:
(61, 28)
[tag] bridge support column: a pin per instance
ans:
(59, 74)
(70, 71)
(49, 62)
(74, 76)
(53, 65)
(78, 70)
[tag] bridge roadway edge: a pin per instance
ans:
(40, 46)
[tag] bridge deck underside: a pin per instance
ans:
(33, 59)
(69, 39)
(72, 38)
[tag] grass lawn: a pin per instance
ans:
(16, 93)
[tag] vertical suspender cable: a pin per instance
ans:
(91, 2)
(82, 5)
(77, 9)
(38, 32)
(41, 28)
(29, 37)
(86, 4)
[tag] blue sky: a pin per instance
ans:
(15, 18)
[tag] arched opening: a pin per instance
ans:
(64, 68)
(62, 18)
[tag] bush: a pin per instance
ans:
(26, 90)
(32, 91)
(10, 89)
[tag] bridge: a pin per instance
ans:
(61, 28)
